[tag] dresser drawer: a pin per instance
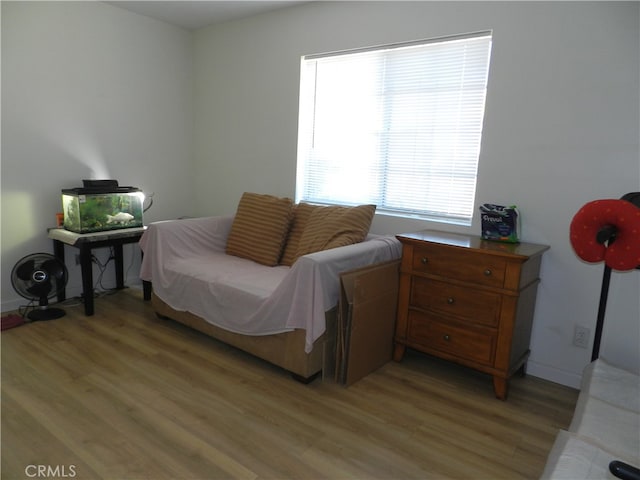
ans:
(451, 262)
(473, 306)
(477, 344)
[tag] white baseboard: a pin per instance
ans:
(12, 304)
(553, 374)
(74, 289)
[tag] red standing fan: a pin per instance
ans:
(609, 231)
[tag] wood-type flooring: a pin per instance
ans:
(127, 395)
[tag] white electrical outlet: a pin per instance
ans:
(581, 336)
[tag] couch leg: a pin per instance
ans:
(146, 290)
(305, 380)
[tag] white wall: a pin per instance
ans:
(561, 129)
(89, 91)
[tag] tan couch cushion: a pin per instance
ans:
(301, 215)
(335, 226)
(260, 227)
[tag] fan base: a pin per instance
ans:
(46, 314)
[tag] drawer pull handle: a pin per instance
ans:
(424, 260)
(446, 337)
(451, 300)
(487, 273)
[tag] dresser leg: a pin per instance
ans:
(500, 387)
(398, 352)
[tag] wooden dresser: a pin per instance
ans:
(468, 300)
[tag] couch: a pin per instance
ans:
(605, 427)
(266, 279)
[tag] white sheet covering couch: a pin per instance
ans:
(277, 312)
(605, 426)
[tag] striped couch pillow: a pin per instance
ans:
(260, 227)
(301, 215)
(335, 226)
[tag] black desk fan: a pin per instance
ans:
(39, 277)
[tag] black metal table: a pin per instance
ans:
(87, 242)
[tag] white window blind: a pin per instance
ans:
(398, 126)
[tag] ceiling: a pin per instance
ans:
(197, 14)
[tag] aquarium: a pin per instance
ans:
(97, 209)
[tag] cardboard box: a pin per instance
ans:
(366, 320)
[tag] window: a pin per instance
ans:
(398, 126)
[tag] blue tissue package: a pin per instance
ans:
(499, 223)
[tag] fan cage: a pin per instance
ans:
(39, 277)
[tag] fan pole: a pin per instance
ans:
(604, 293)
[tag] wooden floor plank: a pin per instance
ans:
(124, 394)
